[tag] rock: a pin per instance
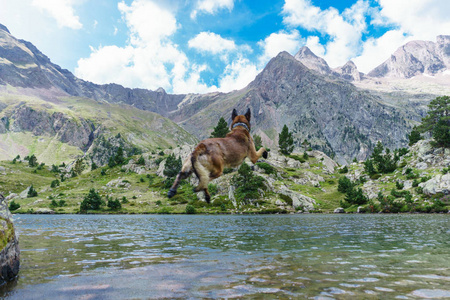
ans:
(118, 183)
(329, 164)
(339, 210)
(360, 210)
(231, 195)
(421, 166)
(438, 184)
(11, 196)
(24, 193)
(45, 211)
(10, 254)
(298, 200)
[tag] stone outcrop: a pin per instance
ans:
(10, 254)
(438, 184)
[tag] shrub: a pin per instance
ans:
(55, 169)
(415, 183)
(227, 170)
(94, 166)
(32, 161)
(172, 166)
(212, 188)
(356, 196)
(298, 158)
(91, 201)
(190, 209)
(32, 192)
(103, 172)
(54, 183)
(399, 185)
(124, 200)
(13, 206)
(247, 183)
(268, 169)
(342, 170)
(141, 161)
(344, 184)
(114, 204)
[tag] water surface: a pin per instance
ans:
(226, 256)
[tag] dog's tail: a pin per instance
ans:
(199, 150)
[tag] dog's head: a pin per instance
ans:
(245, 119)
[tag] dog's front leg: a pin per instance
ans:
(255, 155)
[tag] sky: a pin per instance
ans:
(200, 46)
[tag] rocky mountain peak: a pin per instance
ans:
(349, 71)
(3, 27)
(312, 61)
(416, 58)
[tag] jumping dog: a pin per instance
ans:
(211, 156)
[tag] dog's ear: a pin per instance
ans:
(248, 115)
(233, 114)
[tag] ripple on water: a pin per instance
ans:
(430, 294)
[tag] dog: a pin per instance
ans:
(212, 155)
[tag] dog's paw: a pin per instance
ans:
(265, 154)
(171, 193)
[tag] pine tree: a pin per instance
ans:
(91, 201)
(221, 129)
(414, 136)
(286, 141)
(257, 141)
(438, 121)
(32, 161)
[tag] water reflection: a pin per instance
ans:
(323, 256)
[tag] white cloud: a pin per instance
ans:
(278, 42)
(376, 51)
(212, 43)
(149, 60)
(62, 11)
(416, 20)
(344, 30)
(211, 6)
(238, 74)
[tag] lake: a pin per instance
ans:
(232, 256)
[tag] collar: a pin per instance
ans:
(241, 124)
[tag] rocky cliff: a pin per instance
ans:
(9, 244)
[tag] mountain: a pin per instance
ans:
(312, 61)
(416, 58)
(47, 111)
(317, 103)
(330, 113)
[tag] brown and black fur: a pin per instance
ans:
(211, 156)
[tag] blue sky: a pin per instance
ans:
(190, 46)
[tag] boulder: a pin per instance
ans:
(298, 200)
(339, 210)
(437, 184)
(10, 254)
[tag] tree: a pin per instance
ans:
(32, 161)
(78, 167)
(114, 204)
(286, 141)
(345, 184)
(257, 141)
(91, 201)
(119, 158)
(246, 183)
(172, 166)
(13, 206)
(414, 136)
(221, 130)
(32, 192)
(438, 121)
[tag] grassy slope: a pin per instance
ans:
(146, 192)
(144, 129)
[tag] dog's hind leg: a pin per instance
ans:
(186, 170)
(207, 196)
